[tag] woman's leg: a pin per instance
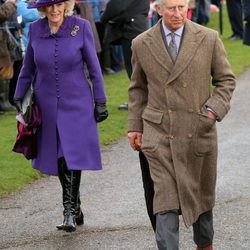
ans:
(70, 181)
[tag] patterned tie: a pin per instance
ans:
(173, 47)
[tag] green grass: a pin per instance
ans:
(238, 54)
(116, 125)
(15, 171)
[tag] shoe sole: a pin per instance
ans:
(69, 229)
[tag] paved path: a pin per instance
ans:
(114, 208)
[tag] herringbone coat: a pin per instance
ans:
(167, 102)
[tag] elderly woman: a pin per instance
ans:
(59, 46)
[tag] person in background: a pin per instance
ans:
(7, 10)
(201, 14)
(191, 9)
(105, 54)
(234, 9)
(27, 16)
(172, 119)
(24, 17)
(124, 21)
(59, 46)
(246, 11)
(85, 11)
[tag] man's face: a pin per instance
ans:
(174, 13)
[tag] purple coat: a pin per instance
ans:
(62, 92)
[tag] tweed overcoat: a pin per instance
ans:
(63, 93)
(167, 102)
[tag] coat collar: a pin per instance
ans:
(65, 30)
(192, 38)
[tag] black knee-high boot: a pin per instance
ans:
(70, 180)
(79, 214)
(79, 217)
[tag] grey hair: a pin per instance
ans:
(69, 6)
(161, 2)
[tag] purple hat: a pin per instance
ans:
(42, 3)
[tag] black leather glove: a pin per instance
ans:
(18, 104)
(100, 112)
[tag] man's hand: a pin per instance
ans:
(211, 115)
(135, 140)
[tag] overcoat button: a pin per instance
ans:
(190, 110)
(190, 136)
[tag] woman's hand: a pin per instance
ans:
(100, 112)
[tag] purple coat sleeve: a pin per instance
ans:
(93, 64)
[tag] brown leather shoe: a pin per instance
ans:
(210, 247)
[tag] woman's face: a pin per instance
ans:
(55, 12)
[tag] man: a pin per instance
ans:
(234, 9)
(172, 119)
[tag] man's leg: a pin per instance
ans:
(203, 230)
(148, 186)
(234, 8)
(127, 54)
(167, 230)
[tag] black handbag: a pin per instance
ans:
(28, 101)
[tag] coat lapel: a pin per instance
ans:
(192, 39)
(156, 45)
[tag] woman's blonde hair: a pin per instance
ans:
(69, 6)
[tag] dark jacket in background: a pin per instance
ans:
(246, 13)
(125, 19)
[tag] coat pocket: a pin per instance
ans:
(206, 136)
(152, 131)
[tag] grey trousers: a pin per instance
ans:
(167, 230)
